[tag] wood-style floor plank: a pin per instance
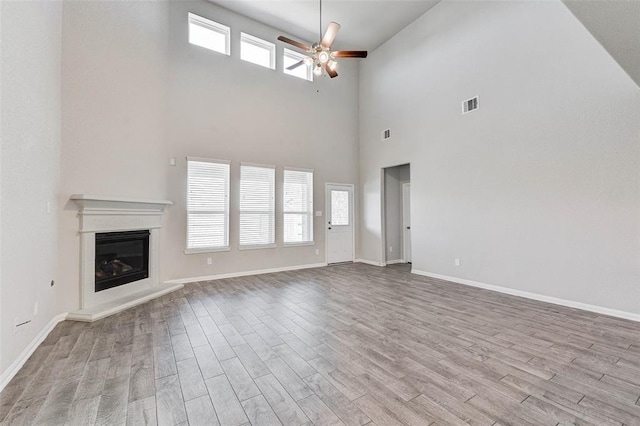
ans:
(342, 345)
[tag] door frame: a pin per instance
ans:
(383, 214)
(402, 185)
(327, 202)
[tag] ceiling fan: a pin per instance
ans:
(320, 55)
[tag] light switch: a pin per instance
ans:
(318, 213)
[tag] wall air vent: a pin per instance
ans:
(470, 105)
(385, 134)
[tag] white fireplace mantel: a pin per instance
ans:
(114, 214)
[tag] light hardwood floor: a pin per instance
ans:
(350, 344)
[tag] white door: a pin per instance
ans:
(339, 202)
(406, 222)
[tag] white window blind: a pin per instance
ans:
(207, 204)
(257, 205)
(298, 206)
(209, 34)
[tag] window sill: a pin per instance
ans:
(306, 243)
(264, 246)
(206, 250)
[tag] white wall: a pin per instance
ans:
(30, 161)
(536, 191)
(136, 94)
(394, 177)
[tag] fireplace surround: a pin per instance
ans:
(118, 217)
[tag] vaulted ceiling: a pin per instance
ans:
(366, 24)
(616, 25)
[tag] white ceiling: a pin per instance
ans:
(366, 24)
(616, 25)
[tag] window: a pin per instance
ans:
(257, 205)
(209, 34)
(339, 207)
(303, 71)
(207, 204)
(257, 51)
(298, 206)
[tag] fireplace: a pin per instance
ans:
(121, 258)
(119, 254)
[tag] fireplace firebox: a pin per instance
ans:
(121, 258)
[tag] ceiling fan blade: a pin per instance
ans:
(349, 54)
(296, 65)
(330, 72)
(294, 43)
(330, 34)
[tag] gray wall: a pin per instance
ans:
(539, 189)
(30, 140)
(393, 179)
(136, 93)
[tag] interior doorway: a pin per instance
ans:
(396, 219)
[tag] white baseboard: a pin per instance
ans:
(103, 310)
(535, 296)
(244, 273)
(16, 365)
(393, 262)
(371, 262)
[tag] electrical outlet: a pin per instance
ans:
(48, 206)
(317, 251)
(457, 262)
(390, 249)
(209, 261)
(35, 308)
(172, 161)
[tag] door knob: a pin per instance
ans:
(408, 227)
(329, 227)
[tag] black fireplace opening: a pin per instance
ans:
(121, 258)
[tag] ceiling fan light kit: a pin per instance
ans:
(321, 57)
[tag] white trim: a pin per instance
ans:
(213, 26)
(403, 227)
(295, 57)
(259, 43)
(206, 250)
(263, 166)
(393, 262)
(371, 262)
(297, 169)
(300, 244)
(535, 296)
(16, 365)
(258, 246)
(244, 273)
(103, 310)
(208, 160)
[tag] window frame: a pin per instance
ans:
(288, 53)
(213, 26)
(310, 242)
(226, 212)
(273, 244)
(260, 43)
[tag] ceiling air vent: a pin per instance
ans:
(385, 134)
(470, 105)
